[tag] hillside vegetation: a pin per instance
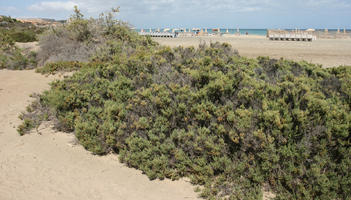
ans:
(11, 57)
(18, 31)
(12, 31)
(234, 125)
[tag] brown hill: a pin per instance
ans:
(41, 22)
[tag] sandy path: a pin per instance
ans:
(28, 46)
(328, 52)
(50, 166)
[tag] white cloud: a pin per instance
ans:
(170, 12)
(94, 7)
(53, 6)
(235, 5)
(8, 9)
(327, 3)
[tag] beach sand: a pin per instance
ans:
(51, 166)
(327, 52)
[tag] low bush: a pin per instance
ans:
(24, 36)
(35, 114)
(229, 123)
(63, 66)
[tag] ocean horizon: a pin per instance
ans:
(260, 32)
(222, 30)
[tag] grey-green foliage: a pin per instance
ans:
(79, 39)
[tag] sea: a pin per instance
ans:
(262, 32)
(222, 30)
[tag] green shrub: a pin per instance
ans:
(63, 66)
(24, 36)
(229, 123)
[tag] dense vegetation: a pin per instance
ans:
(61, 66)
(11, 57)
(18, 31)
(232, 124)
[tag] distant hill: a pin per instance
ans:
(42, 22)
(34, 21)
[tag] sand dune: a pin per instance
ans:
(51, 166)
(328, 52)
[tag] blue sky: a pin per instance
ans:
(197, 13)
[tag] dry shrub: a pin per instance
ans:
(36, 113)
(78, 39)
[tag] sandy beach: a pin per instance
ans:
(327, 52)
(51, 166)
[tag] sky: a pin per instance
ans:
(196, 13)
